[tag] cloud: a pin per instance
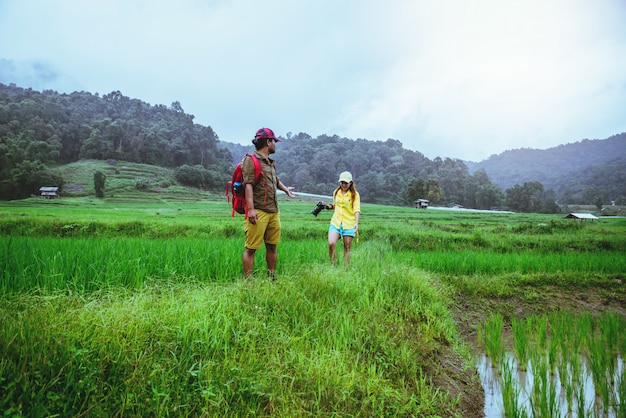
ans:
(36, 75)
(450, 78)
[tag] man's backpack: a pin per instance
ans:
(237, 188)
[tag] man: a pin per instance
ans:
(262, 223)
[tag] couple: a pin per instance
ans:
(262, 223)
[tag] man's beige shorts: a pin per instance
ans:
(267, 228)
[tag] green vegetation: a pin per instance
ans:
(575, 363)
(134, 304)
(40, 131)
(124, 180)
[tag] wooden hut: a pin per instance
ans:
(581, 216)
(49, 192)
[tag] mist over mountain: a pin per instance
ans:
(37, 75)
(567, 169)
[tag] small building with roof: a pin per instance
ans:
(49, 192)
(421, 203)
(581, 216)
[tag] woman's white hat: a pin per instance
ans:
(345, 176)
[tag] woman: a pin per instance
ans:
(345, 221)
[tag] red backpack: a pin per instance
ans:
(237, 188)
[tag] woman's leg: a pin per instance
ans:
(347, 243)
(333, 237)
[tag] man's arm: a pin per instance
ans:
(287, 190)
(250, 203)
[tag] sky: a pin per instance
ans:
(448, 78)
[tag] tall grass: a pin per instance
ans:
(52, 263)
(511, 390)
(520, 338)
(493, 338)
(485, 262)
(324, 342)
(92, 263)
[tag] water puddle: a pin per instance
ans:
(528, 392)
(563, 364)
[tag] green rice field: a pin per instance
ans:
(138, 307)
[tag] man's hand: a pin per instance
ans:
(288, 191)
(252, 216)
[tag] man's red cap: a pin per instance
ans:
(266, 133)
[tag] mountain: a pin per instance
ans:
(43, 130)
(568, 169)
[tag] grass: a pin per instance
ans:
(135, 305)
(316, 342)
(120, 179)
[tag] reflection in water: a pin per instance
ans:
(524, 383)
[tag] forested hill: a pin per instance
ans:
(571, 169)
(382, 169)
(41, 130)
(579, 173)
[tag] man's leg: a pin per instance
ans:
(254, 239)
(272, 238)
(248, 261)
(271, 257)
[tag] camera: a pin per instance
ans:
(318, 208)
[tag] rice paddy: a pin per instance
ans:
(558, 365)
(138, 308)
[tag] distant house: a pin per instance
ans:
(581, 216)
(49, 192)
(421, 203)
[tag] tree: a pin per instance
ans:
(433, 191)
(416, 189)
(548, 204)
(452, 175)
(98, 182)
(515, 198)
(533, 191)
(527, 198)
(591, 194)
(488, 196)
(92, 147)
(599, 203)
(25, 178)
(194, 176)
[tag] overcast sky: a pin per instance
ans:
(450, 78)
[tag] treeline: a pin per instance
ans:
(387, 173)
(39, 130)
(42, 129)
